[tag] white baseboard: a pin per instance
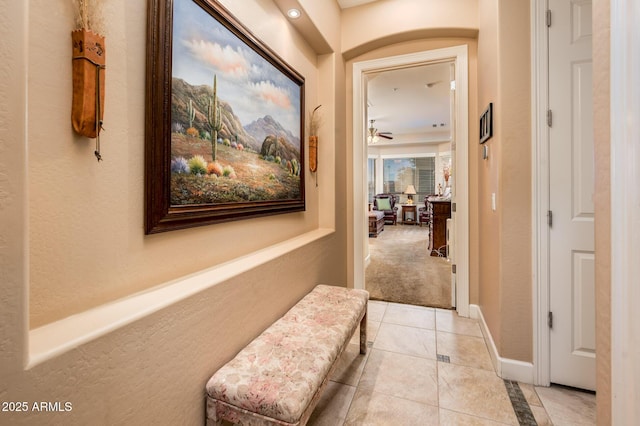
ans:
(505, 368)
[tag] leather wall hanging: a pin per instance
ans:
(314, 124)
(88, 72)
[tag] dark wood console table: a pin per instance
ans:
(409, 214)
(438, 211)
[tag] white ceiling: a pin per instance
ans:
(344, 4)
(411, 103)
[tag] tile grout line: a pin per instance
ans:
(520, 404)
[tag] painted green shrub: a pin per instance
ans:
(229, 172)
(198, 165)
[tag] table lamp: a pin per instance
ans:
(410, 191)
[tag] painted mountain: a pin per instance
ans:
(232, 129)
(267, 126)
(251, 136)
(256, 163)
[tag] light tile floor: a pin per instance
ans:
(401, 382)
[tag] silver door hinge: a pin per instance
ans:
(550, 320)
(550, 218)
(548, 18)
(549, 118)
(453, 268)
(453, 207)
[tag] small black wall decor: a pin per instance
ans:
(486, 124)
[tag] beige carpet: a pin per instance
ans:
(402, 271)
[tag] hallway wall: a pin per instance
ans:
(602, 204)
(505, 234)
(86, 241)
(71, 234)
(374, 25)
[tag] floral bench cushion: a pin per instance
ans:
(279, 374)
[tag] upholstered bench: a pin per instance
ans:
(376, 223)
(278, 378)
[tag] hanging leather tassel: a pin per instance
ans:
(313, 153)
(88, 84)
(314, 124)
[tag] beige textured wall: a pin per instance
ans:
(488, 170)
(13, 195)
(86, 238)
(388, 22)
(514, 192)
(505, 234)
(154, 371)
(84, 227)
(602, 201)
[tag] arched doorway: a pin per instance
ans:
(459, 56)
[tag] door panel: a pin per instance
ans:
(584, 321)
(571, 177)
(582, 141)
(581, 28)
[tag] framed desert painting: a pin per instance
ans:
(224, 121)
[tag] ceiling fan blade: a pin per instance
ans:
(382, 135)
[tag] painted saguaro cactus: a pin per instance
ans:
(214, 118)
(191, 115)
(191, 112)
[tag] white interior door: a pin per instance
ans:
(571, 179)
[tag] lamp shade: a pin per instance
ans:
(411, 190)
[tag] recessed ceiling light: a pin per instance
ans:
(293, 13)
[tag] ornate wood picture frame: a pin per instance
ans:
(224, 121)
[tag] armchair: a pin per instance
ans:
(424, 215)
(387, 206)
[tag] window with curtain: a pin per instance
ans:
(371, 178)
(398, 173)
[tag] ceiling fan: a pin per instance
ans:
(374, 135)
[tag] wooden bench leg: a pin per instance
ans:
(363, 333)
